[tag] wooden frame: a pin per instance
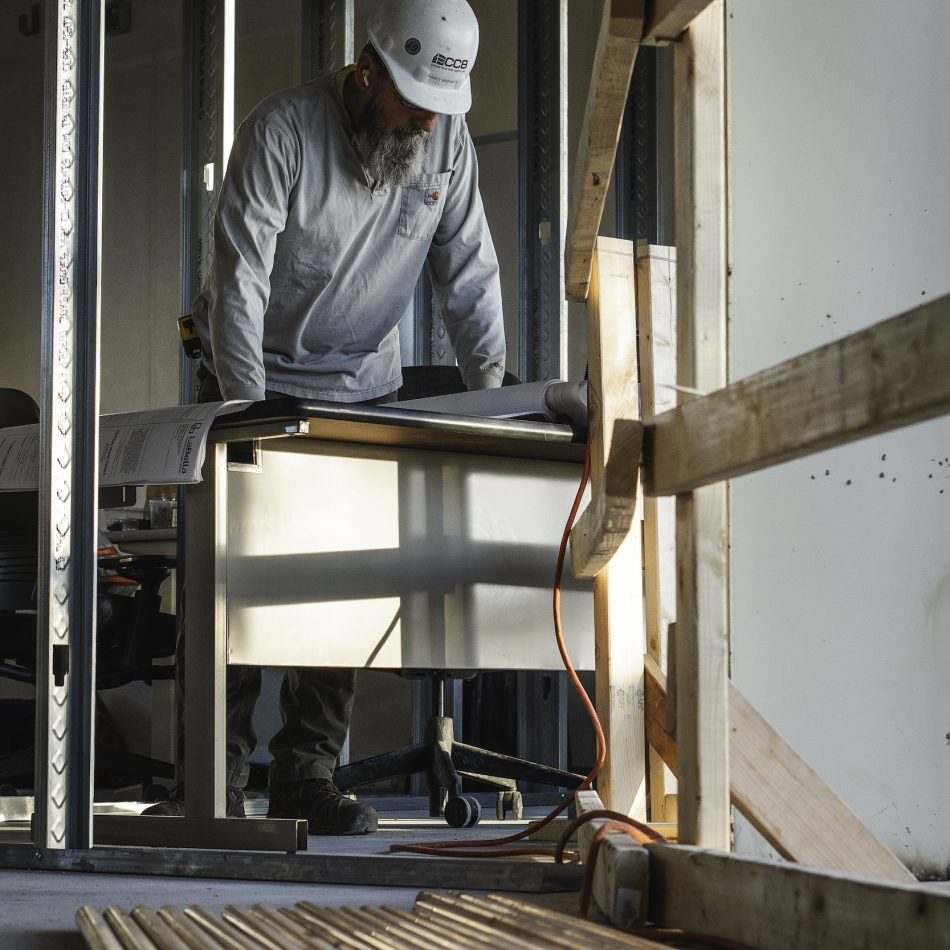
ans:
(702, 532)
(656, 313)
(617, 44)
(765, 904)
(891, 375)
(614, 400)
(669, 18)
(780, 794)
(773, 905)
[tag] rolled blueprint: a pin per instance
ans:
(550, 398)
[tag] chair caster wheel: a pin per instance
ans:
(509, 800)
(463, 811)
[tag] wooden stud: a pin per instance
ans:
(892, 374)
(617, 44)
(668, 19)
(612, 512)
(790, 801)
(622, 874)
(780, 794)
(613, 394)
(701, 516)
(657, 705)
(774, 905)
(656, 317)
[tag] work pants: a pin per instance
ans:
(315, 702)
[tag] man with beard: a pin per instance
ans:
(337, 193)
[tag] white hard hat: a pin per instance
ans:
(429, 48)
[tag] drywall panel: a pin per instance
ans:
(141, 213)
(840, 218)
(21, 197)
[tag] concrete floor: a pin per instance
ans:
(37, 910)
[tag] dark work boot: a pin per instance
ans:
(175, 806)
(327, 810)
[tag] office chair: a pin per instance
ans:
(131, 630)
(445, 761)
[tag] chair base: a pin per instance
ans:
(445, 763)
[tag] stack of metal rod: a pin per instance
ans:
(445, 920)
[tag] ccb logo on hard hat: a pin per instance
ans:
(448, 62)
(413, 46)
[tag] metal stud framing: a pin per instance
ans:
(542, 162)
(644, 180)
(69, 412)
(68, 425)
(208, 102)
(327, 37)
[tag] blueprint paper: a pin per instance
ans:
(150, 447)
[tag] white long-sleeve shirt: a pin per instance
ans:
(314, 264)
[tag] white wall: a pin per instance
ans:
(141, 214)
(840, 218)
(140, 207)
(21, 190)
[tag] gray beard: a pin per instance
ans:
(391, 158)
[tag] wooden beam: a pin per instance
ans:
(774, 905)
(656, 715)
(608, 519)
(701, 516)
(892, 374)
(621, 876)
(667, 19)
(781, 795)
(613, 395)
(656, 317)
(617, 44)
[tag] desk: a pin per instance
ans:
(146, 541)
(371, 537)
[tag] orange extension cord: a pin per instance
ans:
(640, 832)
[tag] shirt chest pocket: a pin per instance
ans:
(421, 207)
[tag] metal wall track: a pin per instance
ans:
(644, 167)
(327, 34)
(68, 424)
(542, 173)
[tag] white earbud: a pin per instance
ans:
(365, 77)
